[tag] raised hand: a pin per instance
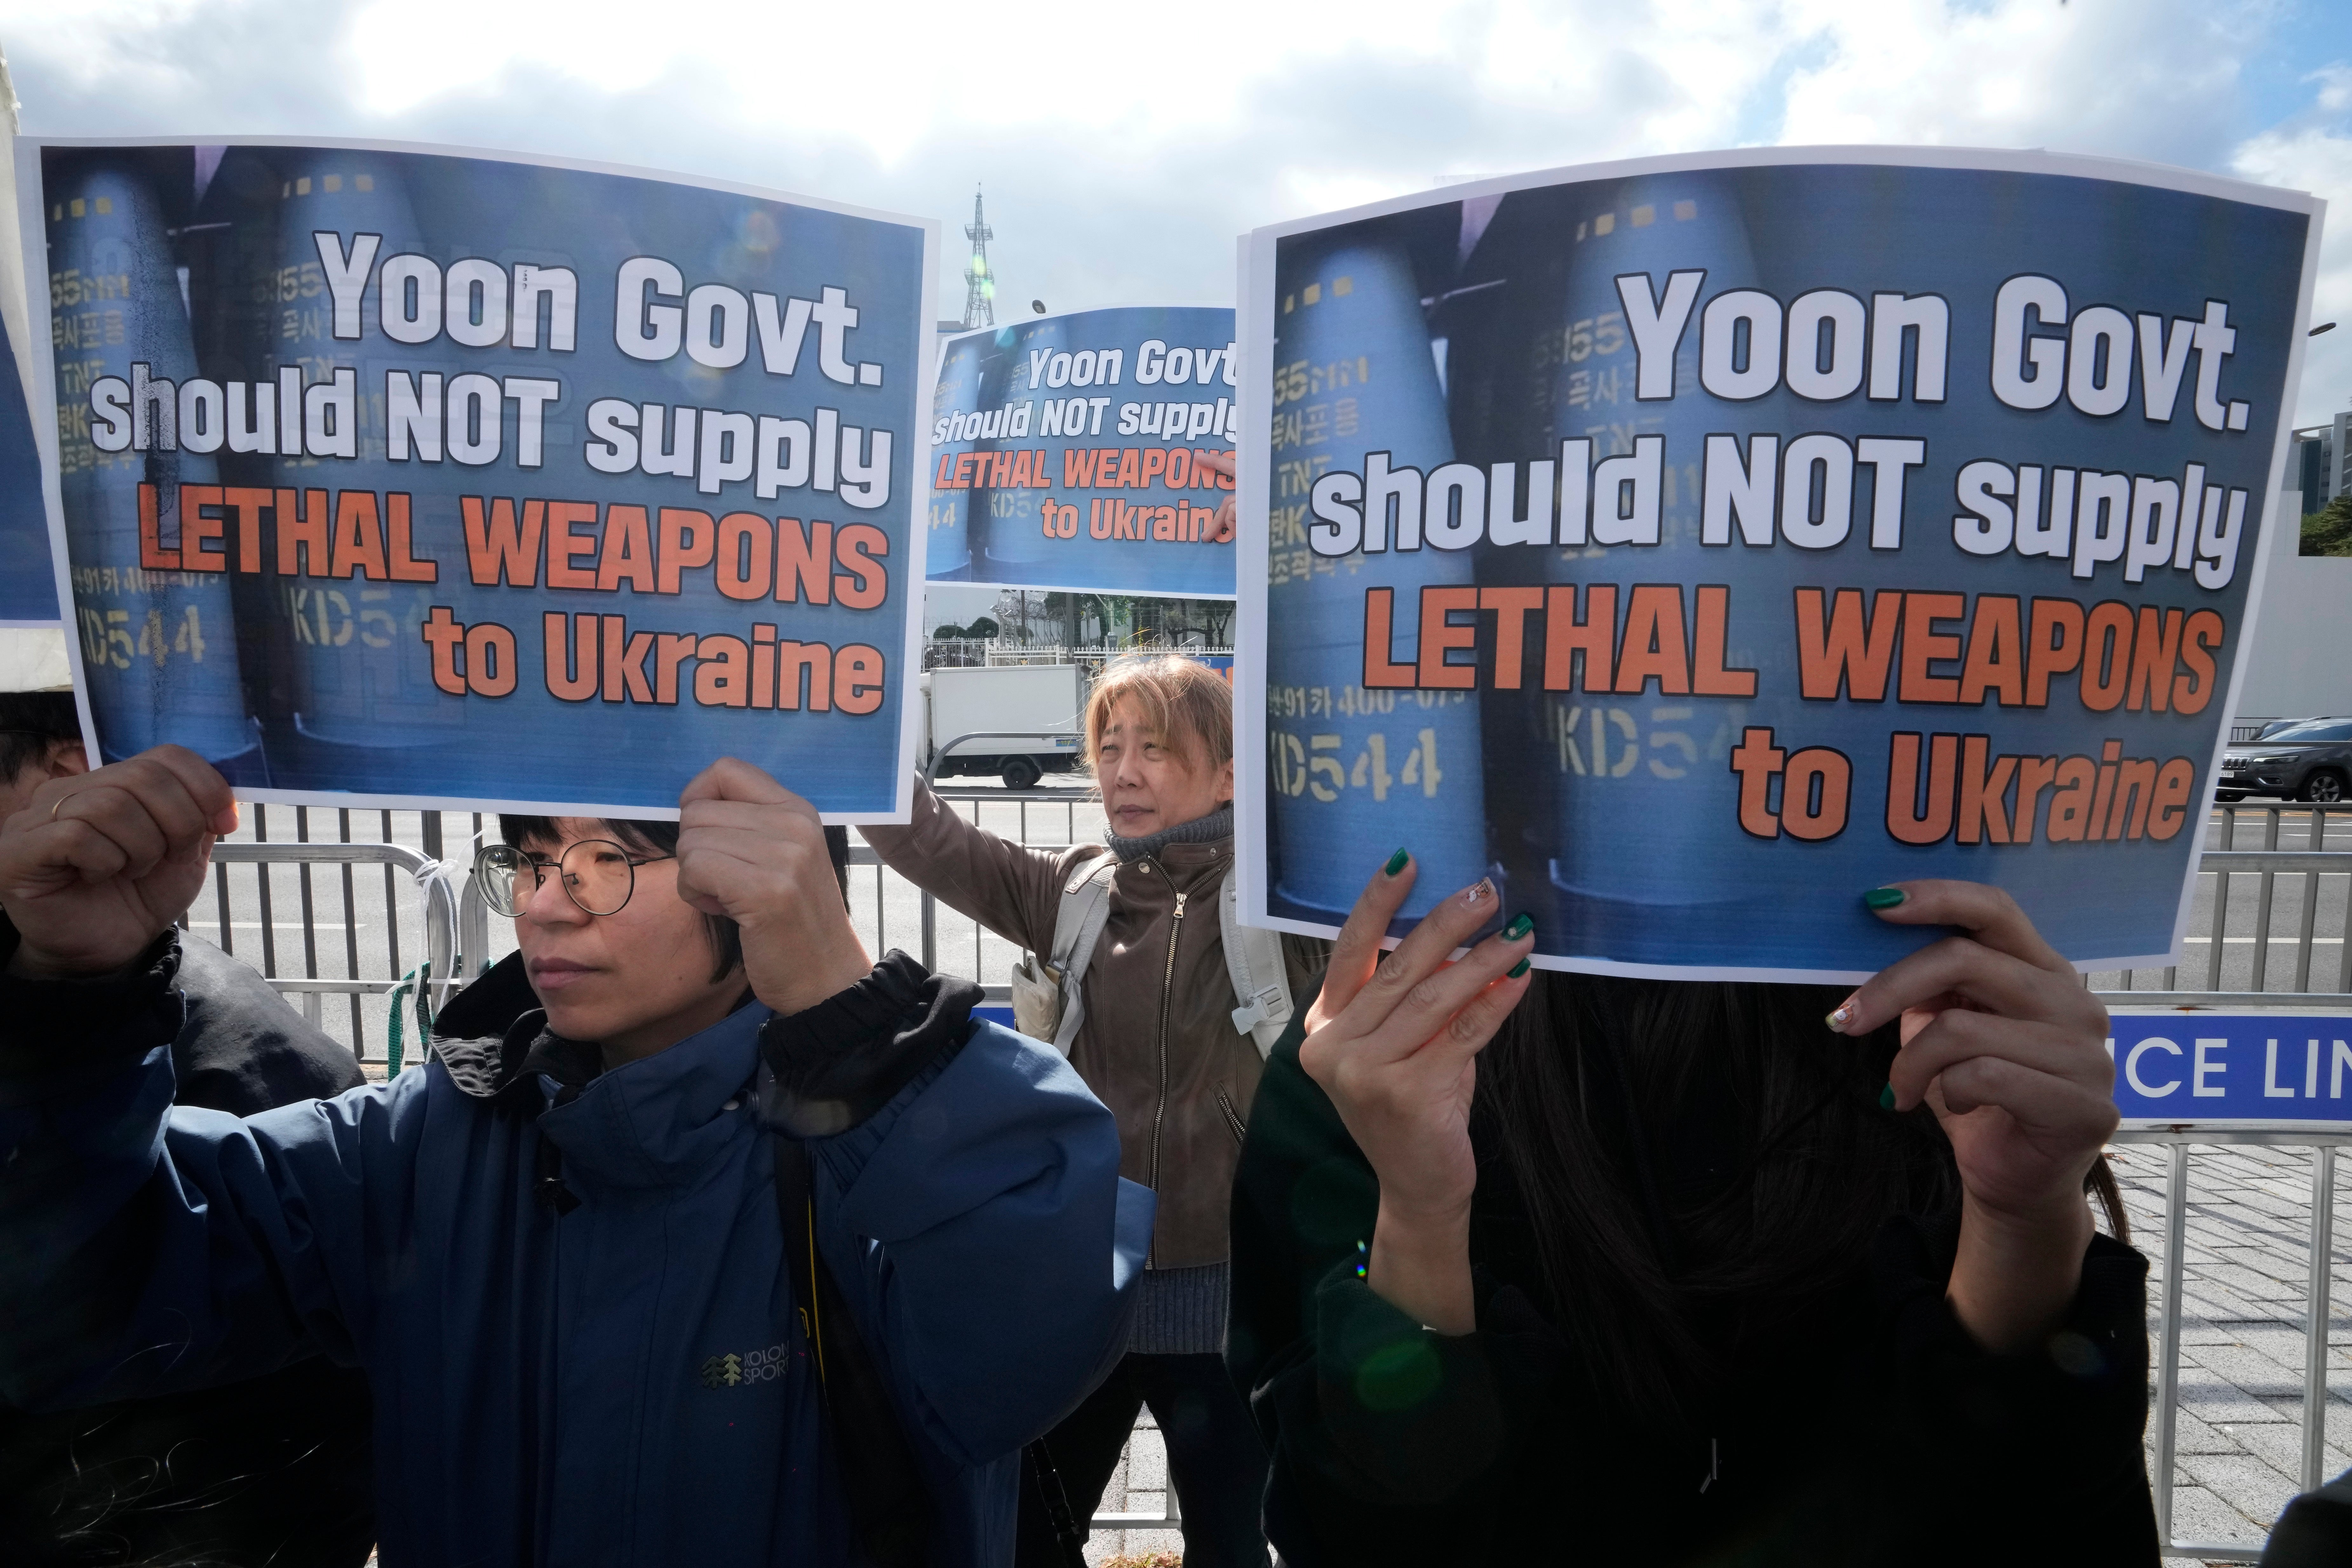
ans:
(2001, 1039)
(753, 850)
(1395, 1044)
(1221, 527)
(97, 865)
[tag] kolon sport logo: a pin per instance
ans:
(730, 1370)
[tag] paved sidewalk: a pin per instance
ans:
(2241, 1357)
(1139, 1485)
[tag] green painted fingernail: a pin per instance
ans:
(1516, 969)
(1396, 863)
(1884, 897)
(1887, 1098)
(1520, 925)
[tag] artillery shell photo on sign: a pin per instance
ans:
(1692, 544)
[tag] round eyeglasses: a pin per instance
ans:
(597, 875)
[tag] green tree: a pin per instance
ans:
(2328, 530)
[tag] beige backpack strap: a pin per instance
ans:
(1046, 1004)
(1078, 927)
(1254, 963)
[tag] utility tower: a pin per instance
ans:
(980, 293)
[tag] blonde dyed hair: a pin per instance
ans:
(1187, 707)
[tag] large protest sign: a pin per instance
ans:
(1068, 453)
(1711, 540)
(390, 475)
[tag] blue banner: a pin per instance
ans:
(1708, 540)
(2176, 1067)
(406, 477)
(1069, 454)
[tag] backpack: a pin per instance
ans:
(1047, 1001)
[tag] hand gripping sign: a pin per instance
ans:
(1695, 544)
(395, 477)
(1072, 453)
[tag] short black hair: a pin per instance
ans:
(661, 839)
(32, 725)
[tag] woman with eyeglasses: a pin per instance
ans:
(718, 1243)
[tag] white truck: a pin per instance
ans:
(1027, 718)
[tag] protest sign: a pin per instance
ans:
(1710, 540)
(1069, 454)
(392, 476)
(28, 583)
(2278, 1070)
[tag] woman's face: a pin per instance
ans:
(1146, 788)
(635, 981)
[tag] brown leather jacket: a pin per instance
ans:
(1157, 1042)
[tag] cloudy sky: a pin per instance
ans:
(1123, 148)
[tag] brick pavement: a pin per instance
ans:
(1139, 1485)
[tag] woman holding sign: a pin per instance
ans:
(719, 1244)
(1679, 1273)
(1166, 1007)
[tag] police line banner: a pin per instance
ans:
(2262, 1070)
(388, 476)
(1070, 453)
(1692, 544)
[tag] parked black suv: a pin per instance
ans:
(2310, 759)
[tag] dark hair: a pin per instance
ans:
(32, 725)
(661, 839)
(1782, 1168)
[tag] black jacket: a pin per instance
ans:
(2315, 1531)
(1875, 1431)
(276, 1470)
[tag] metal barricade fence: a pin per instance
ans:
(346, 916)
(2243, 891)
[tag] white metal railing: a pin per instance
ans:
(437, 890)
(2172, 1282)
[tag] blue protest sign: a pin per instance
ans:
(2261, 1068)
(28, 583)
(1070, 453)
(387, 476)
(1714, 539)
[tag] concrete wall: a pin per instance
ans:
(2301, 660)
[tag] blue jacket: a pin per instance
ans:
(622, 1380)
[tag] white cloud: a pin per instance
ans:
(1124, 147)
(2318, 160)
(2145, 79)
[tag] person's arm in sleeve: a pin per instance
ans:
(2041, 1443)
(1014, 890)
(968, 1200)
(153, 1249)
(147, 1249)
(1388, 1443)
